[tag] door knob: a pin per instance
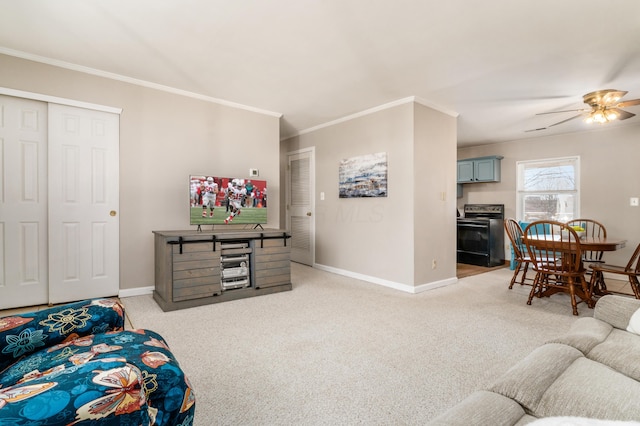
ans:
(112, 213)
(308, 213)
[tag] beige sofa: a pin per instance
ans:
(592, 372)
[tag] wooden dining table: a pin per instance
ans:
(586, 243)
(546, 242)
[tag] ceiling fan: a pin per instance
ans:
(604, 106)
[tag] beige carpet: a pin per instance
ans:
(336, 350)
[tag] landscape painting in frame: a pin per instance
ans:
(363, 176)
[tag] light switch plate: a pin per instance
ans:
(633, 201)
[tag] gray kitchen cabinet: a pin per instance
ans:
(481, 169)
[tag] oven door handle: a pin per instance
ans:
(470, 225)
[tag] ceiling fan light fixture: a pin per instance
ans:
(601, 116)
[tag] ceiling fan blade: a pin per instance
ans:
(564, 121)
(628, 103)
(613, 96)
(622, 114)
(566, 110)
(602, 98)
(555, 124)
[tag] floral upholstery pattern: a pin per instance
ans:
(75, 364)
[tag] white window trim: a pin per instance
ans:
(519, 192)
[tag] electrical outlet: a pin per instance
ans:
(633, 201)
(434, 264)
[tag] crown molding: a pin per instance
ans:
(410, 99)
(135, 81)
(439, 108)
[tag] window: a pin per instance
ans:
(548, 189)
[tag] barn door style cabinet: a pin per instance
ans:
(481, 169)
(198, 268)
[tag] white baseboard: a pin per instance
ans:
(435, 284)
(139, 291)
(391, 284)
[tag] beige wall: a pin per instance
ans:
(434, 165)
(387, 238)
(609, 176)
(163, 138)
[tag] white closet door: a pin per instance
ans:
(23, 202)
(300, 206)
(83, 203)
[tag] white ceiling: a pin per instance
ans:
(496, 63)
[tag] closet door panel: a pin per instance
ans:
(23, 203)
(83, 215)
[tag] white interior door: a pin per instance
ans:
(83, 203)
(23, 202)
(300, 205)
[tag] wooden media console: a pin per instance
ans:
(194, 268)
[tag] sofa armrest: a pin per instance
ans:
(482, 408)
(23, 334)
(616, 310)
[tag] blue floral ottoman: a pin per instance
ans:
(75, 364)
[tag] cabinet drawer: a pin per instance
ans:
(198, 292)
(273, 281)
(276, 275)
(196, 287)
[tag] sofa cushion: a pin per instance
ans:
(616, 310)
(590, 389)
(482, 407)
(620, 351)
(528, 380)
(585, 334)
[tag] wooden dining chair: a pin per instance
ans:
(556, 256)
(592, 228)
(631, 270)
(520, 254)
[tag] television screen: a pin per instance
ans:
(227, 200)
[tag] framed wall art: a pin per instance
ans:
(363, 176)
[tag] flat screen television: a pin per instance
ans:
(215, 200)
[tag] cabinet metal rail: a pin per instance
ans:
(181, 240)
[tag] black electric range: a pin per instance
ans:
(481, 235)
